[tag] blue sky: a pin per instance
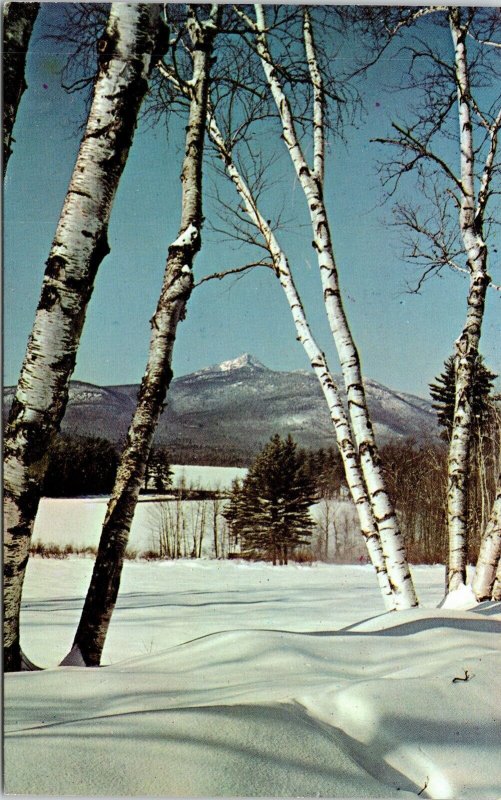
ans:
(403, 339)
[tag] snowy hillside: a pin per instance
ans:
(230, 679)
(225, 413)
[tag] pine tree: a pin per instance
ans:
(442, 392)
(477, 492)
(269, 512)
(158, 474)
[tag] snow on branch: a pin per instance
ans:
(186, 237)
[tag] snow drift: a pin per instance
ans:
(233, 679)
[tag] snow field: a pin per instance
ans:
(78, 521)
(206, 477)
(235, 679)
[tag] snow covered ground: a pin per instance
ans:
(78, 521)
(206, 477)
(235, 679)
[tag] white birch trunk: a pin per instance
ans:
(78, 248)
(490, 552)
(18, 21)
(176, 289)
(496, 589)
(311, 183)
(470, 219)
(319, 365)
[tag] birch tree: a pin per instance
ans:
(317, 359)
(79, 245)
(496, 589)
(18, 21)
(171, 308)
(311, 179)
(264, 237)
(471, 214)
(440, 241)
(490, 553)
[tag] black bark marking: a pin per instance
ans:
(48, 298)
(12, 657)
(54, 266)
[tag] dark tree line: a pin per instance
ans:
(87, 465)
(80, 465)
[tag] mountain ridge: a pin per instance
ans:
(224, 413)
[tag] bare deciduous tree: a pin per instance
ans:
(78, 248)
(318, 363)
(311, 179)
(18, 21)
(457, 224)
(176, 290)
(488, 561)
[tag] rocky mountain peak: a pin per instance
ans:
(245, 360)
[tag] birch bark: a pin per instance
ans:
(78, 248)
(176, 289)
(496, 589)
(471, 226)
(319, 365)
(18, 21)
(311, 181)
(490, 552)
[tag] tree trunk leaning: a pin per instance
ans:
(384, 513)
(318, 363)
(490, 553)
(78, 248)
(177, 286)
(18, 21)
(496, 589)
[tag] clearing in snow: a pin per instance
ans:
(235, 679)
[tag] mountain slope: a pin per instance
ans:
(225, 413)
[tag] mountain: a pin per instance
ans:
(223, 414)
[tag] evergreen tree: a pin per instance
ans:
(443, 393)
(269, 512)
(483, 446)
(158, 474)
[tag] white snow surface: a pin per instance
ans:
(206, 477)
(78, 521)
(186, 237)
(462, 597)
(235, 679)
(245, 360)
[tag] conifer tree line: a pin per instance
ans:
(235, 75)
(86, 465)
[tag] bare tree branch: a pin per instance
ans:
(409, 142)
(235, 271)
